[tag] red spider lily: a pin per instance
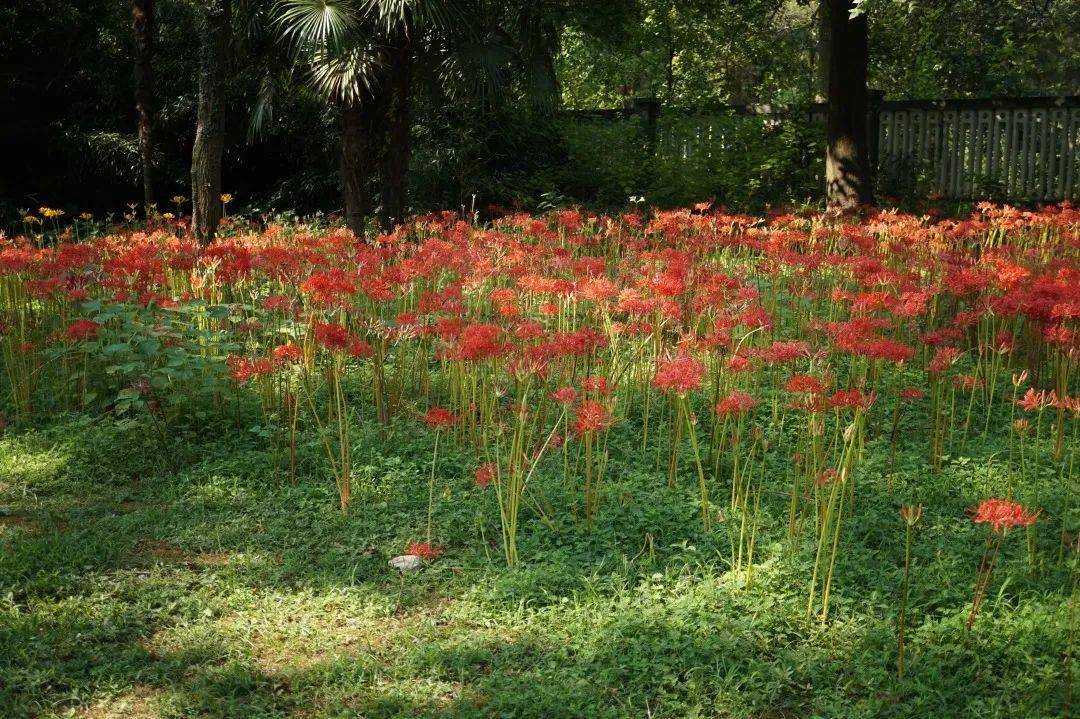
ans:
(912, 393)
(1001, 514)
(359, 348)
(485, 474)
(243, 369)
(679, 375)
(852, 399)
(944, 358)
(329, 288)
(804, 383)
(1070, 404)
(1004, 343)
(756, 316)
(888, 350)
(736, 403)
(1061, 336)
(503, 296)
(478, 342)
(565, 395)
(278, 303)
(967, 382)
(785, 352)
(738, 363)
(941, 337)
(579, 343)
(591, 417)
(331, 336)
(440, 418)
(596, 289)
(81, 330)
(596, 385)
(1033, 401)
(288, 353)
(424, 550)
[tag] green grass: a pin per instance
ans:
(147, 577)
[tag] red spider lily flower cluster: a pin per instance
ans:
(440, 418)
(485, 474)
(81, 330)
(532, 332)
(679, 375)
(1001, 514)
(591, 417)
(1034, 401)
(424, 550)
(734, 404)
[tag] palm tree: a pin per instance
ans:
(366, 58)
(356, 56)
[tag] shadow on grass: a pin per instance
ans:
(634, 617)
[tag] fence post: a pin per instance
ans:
(873, 133)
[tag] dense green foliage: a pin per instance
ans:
(69, 136)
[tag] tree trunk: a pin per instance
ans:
(397, 151)
(362, 132)
(210, 130)
(142, 30)
(847, 163)
(824, 52)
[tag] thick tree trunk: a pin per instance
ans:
(397, 152)
(847, 162)
(210, 130)
(142, 30)
(362, 133)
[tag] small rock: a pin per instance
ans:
(406, 563)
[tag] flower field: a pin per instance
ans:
(864, 422)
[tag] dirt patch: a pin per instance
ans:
(135, 704)
(155, 552)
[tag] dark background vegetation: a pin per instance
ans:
(67, 130)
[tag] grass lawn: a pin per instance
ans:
(151, 575)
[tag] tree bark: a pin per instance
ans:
(210, 128)
(362, 133)
(847, 163)
(142, 30)
(397, 152)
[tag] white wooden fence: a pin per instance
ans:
(1017, 149)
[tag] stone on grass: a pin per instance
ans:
(406, 563)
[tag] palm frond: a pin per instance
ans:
(388, 15)
(316, 23)
(344, 75)
(262, 114)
